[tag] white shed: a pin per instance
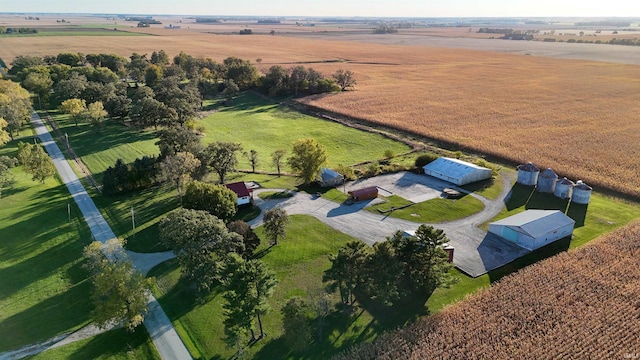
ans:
(329, 177)
(456, 171)
(533, 229)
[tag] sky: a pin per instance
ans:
(347, 8)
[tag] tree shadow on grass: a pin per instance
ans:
(402, 312)
(54, 315)
(116, 343)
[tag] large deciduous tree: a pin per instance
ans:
(248, 286)
(120, 292)
(75, 108)
(218, 200)
(222, 158)
(15, 105)
(40, 84)
(35, 161)
(200, 241)
(252, 156)
(95, 114)
(249, 237)
(6, 177)
(275, 224)
(177, 139)
(307, 158)
(177, 169)
(4, 134)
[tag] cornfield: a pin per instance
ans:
(578, 117)
(583, 304)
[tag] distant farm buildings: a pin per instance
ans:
(533, 229)
(456, 171)
(547, 182)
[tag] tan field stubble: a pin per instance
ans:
(578, 117)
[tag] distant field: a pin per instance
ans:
(75, 32)
(577, 117)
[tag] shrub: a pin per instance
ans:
(425, 159)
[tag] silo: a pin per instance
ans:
(581, 193)
(547, 181)
(528, 174)
(563, 189)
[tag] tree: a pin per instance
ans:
(424, 262)
(15, 105)
(248, 285)
(160, 58)
(230, 89)
(295, 321)
(275, 224)
(74, 107)
(218, 200)
(222, 158)
(252, 156)
(40, 84)
(178, 139)
(4, 135)
(383, 273)
(153, 75)
(298, 79)
(240, 71)
(346, 269)
(200, 242)
(250, 239)
(120, 292)
(6, 177)
(177, 169)
(151, 112)
(71, 88)
(277, 157)
(344, 79)
(95, 114)
(275, 81)
(137, 67)
(24, 61)
(35, 161)
(307, 158)
(71, 59)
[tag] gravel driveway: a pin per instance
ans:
(476, 251)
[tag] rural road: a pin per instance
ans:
(160, 328)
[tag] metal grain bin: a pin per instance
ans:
(581, 193)
(547, 181)
(564, 188)
(528, 174)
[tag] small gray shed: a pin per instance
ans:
(329, 178)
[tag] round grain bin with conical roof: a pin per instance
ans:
(547, 181)
(581, 193)
(563, 189)
(528, 174)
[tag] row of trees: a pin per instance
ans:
(394, 269)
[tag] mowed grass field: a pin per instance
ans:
(577, 117)
(264, 126)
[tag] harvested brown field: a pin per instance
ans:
(578, 117)
(584, 304)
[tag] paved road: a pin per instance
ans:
(476, 251)
(162, 332)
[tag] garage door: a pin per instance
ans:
(510, 234)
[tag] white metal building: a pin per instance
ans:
(533, 229)
(456, 171)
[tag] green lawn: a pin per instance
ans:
(299, 261)
(261, 125)
(115, 344)
(43, 291)
(100, 148)
(430, 211)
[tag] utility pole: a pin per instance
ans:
(133, 222)
(69, 212)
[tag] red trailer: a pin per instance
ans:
(367, 193)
